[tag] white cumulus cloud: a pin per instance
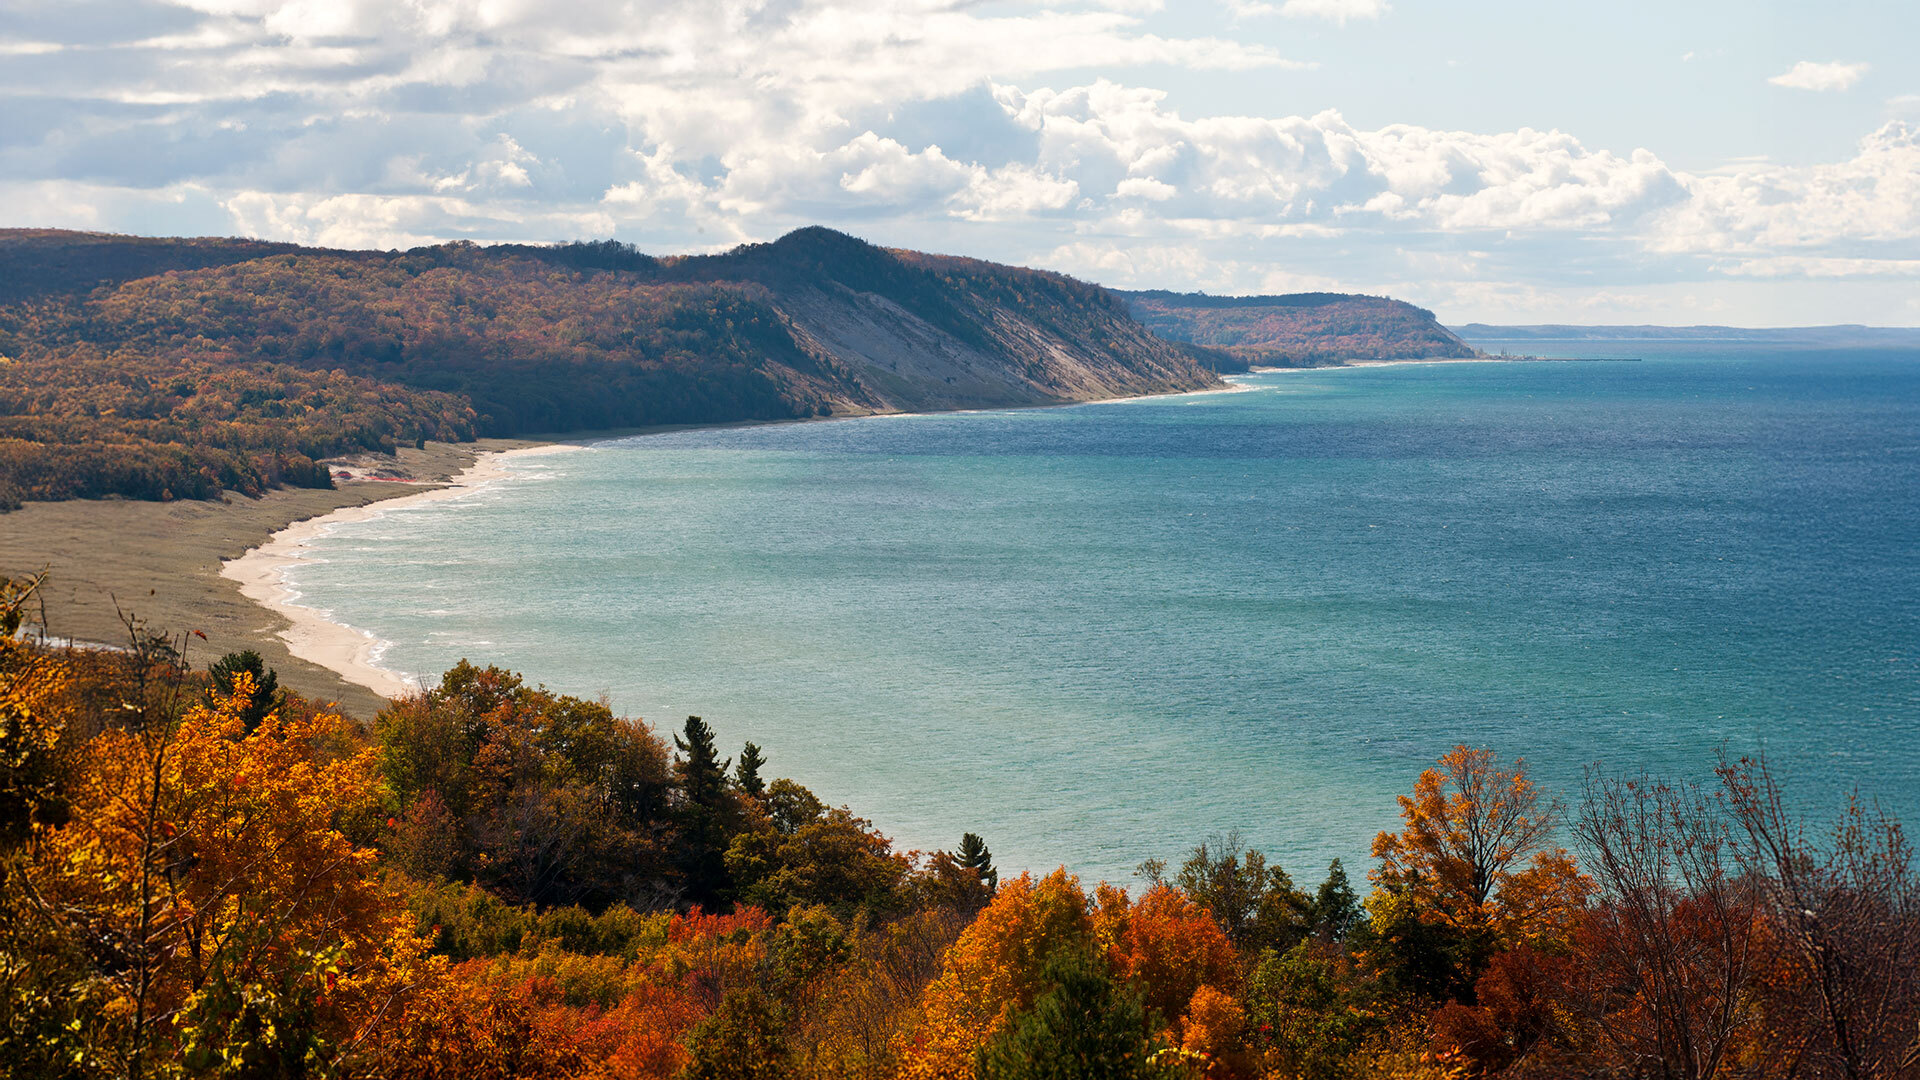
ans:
(925, 123)
(1808, 75)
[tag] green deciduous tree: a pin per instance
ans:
(545, 797)
(1255, 903)
(1085, 1027)
(1307, 1012)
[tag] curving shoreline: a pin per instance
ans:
(354, 654)
(310, 635)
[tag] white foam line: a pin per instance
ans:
(312, 634)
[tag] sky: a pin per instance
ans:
(1750, 163)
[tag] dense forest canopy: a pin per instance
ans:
(1299, 328)
(268, 357)
(46, 262)
(203, 875)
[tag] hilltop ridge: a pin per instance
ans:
(156, 368)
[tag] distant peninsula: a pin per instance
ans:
(1299, 329)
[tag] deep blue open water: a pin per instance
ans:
(1100, 633)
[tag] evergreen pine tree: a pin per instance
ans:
(747, 773)
(1336, 910)
(266, 696)
(703, 776)
(1084, 1028)
(975, 856)
(704, 812)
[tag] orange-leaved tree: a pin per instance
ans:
(1163, 947)
(994, 971)
(221, 917)
(1181, 960)
(480, 1022)
(1476, 851)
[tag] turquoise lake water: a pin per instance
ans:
(1098, 634)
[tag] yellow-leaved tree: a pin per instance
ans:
(1163, 949)
(214, 912)
(1476, 851)
(994, 971)
(33, 750)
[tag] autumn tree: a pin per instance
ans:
(1521, 1022)
(39, 1012)
(1844, 913)
(994, 971)
(216, 913)
(1475, 851)
(1163, 947)
(1167, 944)
(1670, 949)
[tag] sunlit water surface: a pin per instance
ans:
(1097, 634)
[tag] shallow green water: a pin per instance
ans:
(1097, 634)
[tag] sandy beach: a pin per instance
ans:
(309, 635)
(162, 562)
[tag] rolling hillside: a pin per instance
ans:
(184, 368)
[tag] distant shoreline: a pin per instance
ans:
(1436, 360)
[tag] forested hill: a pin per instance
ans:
(42, 262)
(183, 368)
(1298, 329)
